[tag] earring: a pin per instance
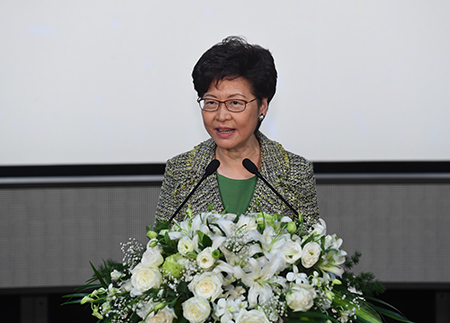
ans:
(261, 117)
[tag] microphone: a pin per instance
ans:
(251, 167)
(211, 168)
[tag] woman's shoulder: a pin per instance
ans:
(197, 157)
(275, 152)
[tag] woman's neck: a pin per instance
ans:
(231, 161)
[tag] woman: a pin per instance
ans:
(235, 82)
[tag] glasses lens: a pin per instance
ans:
(235, 105)
(208, 105)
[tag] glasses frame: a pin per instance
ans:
(225, 104)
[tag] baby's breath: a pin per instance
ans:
(274, 308)
(132, 252)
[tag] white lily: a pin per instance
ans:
(246, 222)
(217, 241)
(259, 279)
(292, 251)
(295, 276)
(232, 258)
(227, 227)
(189, 227)
(320, 227)
(199, 225)
(271, 243)
(223, 266)
(333, 262)
(228, 309)
(332, 242)
(235, 293)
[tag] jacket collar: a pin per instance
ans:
(274, 168)
(274, 161)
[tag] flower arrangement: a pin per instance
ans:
(230, 269)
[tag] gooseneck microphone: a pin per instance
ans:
(211, 168)
(251, 167)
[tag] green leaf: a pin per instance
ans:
(81, 295)
(169, 246)
(200, 236)
(182, 287)
(365, 312)
(161, 225)
(108, 272)
(76, 301)
(392, 313)
(99, 276)
(308, 239)
(90, 286)
(312, 314)
(205, 240)
(109, 319)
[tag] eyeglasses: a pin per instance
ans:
(232, 105)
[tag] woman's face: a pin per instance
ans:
(233, 130)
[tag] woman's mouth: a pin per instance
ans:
(225, 130)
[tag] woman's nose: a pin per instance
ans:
(222, 112)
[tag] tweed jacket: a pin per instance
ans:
(291, 175)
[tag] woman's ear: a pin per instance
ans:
(264, 106)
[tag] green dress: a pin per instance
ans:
(236, 194)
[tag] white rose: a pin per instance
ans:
(292, 251)
(185, 245)
(143, 278)
(253, 316)
(196, 309)
(205, 259)
(301, 297)
(152, 257)
(311, 253)
(207, 285)
(166, 315)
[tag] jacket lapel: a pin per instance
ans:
(208, 192)
(273, 169)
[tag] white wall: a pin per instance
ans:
(108, 81)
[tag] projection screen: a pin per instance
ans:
(108, 81)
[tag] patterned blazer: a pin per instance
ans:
(291, 175)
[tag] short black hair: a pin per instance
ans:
(231, 58)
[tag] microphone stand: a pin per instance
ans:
(211, 168)
(251, 167)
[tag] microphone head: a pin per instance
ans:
(250, 166)
(212, 167)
